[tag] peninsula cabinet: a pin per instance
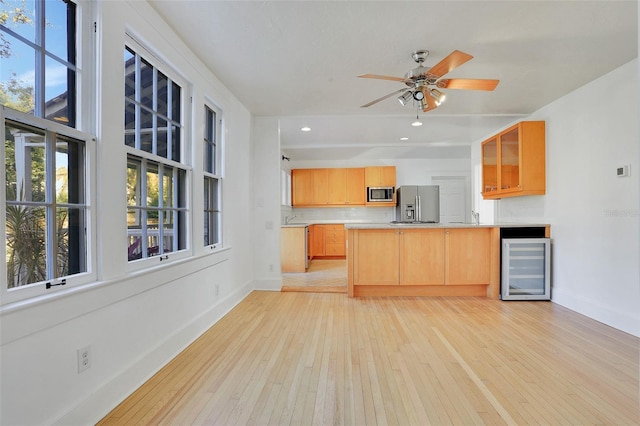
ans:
(468, 256)
(328, 187)
(424, 262)
(513, 161)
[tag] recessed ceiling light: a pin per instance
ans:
(306, 129)
(404, 138)
(416, 123)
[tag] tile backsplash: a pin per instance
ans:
(340, 215)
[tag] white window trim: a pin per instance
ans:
(39, 289)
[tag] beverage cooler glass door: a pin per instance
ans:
(526, 269)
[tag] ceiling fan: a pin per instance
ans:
(423, 82)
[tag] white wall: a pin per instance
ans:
(134, 323)
(593, 214)
(266, 162)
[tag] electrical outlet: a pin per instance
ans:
(84, 359)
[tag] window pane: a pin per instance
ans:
(146, 84)
(25, 168)
(135, 247)
(69, 172)
(129, 74)
(146, 130)
(163, 94)
(58, 80)
(17, 75)
(161, 139)
(175, 103)
(25, 245)
(153, 234)
(133, 182)
(56, 28)
(175, 143)
(152, 185)
(129, 123)
(70, 241)
(167, 187)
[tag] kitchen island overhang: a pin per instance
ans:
(417, 259)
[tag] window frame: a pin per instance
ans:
(214, 178)
(185, 163)
(32, 290)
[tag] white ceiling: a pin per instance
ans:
(298, 60)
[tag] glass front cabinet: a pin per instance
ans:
(513, 161)
(526, 269)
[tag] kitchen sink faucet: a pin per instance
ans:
(476, 217)
(288, 219)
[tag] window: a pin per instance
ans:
(156, 176)
(212, 177)
(38, 53)
(47, 212)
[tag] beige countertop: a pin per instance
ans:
(439, 225)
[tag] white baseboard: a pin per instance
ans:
(95, 406)
(268, 284)
(625, 321)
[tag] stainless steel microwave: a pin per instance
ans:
(380, 193)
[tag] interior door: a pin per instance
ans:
(453, 198)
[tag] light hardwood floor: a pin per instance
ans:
(306, 358)
(323, 276)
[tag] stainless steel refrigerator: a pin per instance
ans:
(418, 204)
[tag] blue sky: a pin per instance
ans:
(22, 60)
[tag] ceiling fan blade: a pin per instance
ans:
(467, 84)
(383, 98)
(382, 77)
(454, 60)
(429, 101)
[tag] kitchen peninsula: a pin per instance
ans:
(425, 259)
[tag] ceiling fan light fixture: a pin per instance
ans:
(437, 95)
(418, 95)
(405, 97)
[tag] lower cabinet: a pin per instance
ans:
(422, 257)
(328, 241)
(468, 259)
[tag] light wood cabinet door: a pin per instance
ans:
(334, 240)
(320, 183)
(317, 241)
(380, 176)
(302, 187)
(376, 257)
(355, 189)
(422, 257)
(467, 256)
(337, 186)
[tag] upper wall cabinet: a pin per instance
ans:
(513, 162)
(380, 176)
(328, 187)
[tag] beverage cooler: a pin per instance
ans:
(526, 269)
